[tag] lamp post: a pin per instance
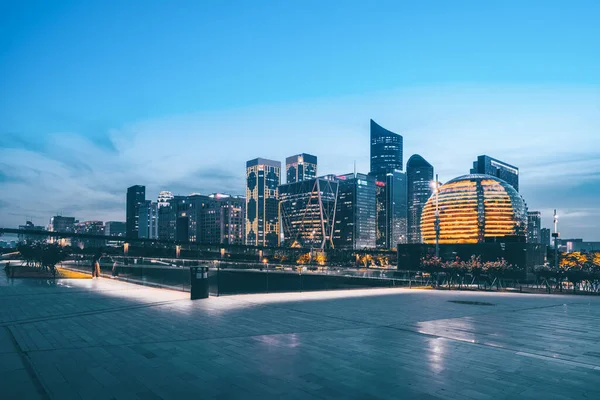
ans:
(436, 190)
(555, 235)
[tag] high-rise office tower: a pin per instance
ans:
(263, 178)
(392, 196)
(307, 211)
(136, 195)
(216, 218)
(545, 236)
(355, 216)
(419, 175)
(148, 220)
(301, 167)
(173, 220)
(163, 198)
(534, 227)
(386, 151)
(392, 210)
(490, 166)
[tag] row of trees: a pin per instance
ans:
(581, 270)
(43, 255)
(459, 272)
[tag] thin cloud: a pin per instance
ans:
(550, 132)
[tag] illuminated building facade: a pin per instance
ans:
(307, 210)
(90, 228)
(136, 196)
(263, 178)
(490, 166)
(163, 198)
(114, 228)
(391, 196)
(178, 217)
(475, 209)
(148, 220)
(301, 167)
(355, 216)
(386, 151)
(534, 227)
(419, 174)
(392, 210)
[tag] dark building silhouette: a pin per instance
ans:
(307, 212)
(545, 236)
(534, 227)
(355, 218)
(136, 195)
(419, 174)
(490, 166)
(262, 206)
(29, 226)
(148, 220)
(114, 228)
(178, 217)
(386, 151)
(301, 167)
(392, 196)
(392, 210)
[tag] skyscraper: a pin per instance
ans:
(148, 220)
(163, 198)
(263, 178)
(490, 166)
(545, 236)
(392, 196)
(178, 217)
(307, 211)
(355, 216)
(419, 176)
(386, 151)
(301, 167)
(534, 227)
(136, 195)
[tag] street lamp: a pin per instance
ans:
(125, 248)
(436, 190)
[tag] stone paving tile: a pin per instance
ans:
(107, 339)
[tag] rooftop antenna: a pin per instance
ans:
(355, 168)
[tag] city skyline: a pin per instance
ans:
(86, 116)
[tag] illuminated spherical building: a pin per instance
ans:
(474, 209)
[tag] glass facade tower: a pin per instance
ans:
(355, 217)
(386, 151)
(301, 167)
(419, 175)
(392, 196)
(136, 196)
(307, 210)
(490, 166)
(263, 178)
(534, 227)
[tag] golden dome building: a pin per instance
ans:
(475, 208)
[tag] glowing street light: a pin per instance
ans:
(177, 251)
(436, 190)
(125, 248)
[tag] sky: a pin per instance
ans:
(96, 96)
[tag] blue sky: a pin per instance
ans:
(99, 95)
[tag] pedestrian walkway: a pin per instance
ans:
(106, 339)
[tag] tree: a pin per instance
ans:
(303, 259)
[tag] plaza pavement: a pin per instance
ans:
(105, 339)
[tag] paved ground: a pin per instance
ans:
(106, 339)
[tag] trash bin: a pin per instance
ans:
(198, 282)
